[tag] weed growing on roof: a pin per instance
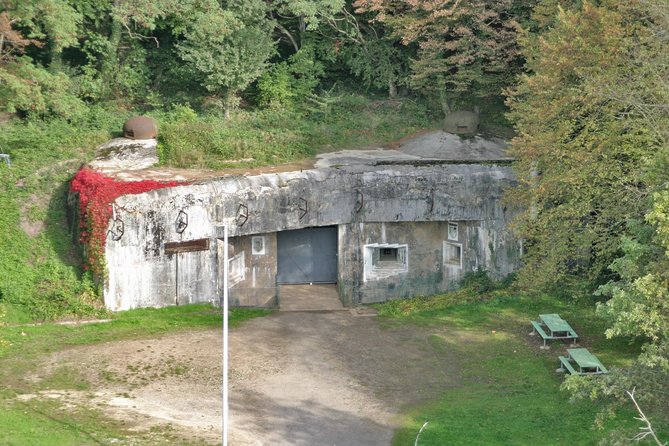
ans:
(280, 136)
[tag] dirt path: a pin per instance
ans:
(295, 379)
(333, 379)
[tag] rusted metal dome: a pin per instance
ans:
(140, 127)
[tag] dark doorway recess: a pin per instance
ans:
(307, 255)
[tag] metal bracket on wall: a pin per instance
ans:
(242, 215)
(303, 207)
(117, 229)
(182, 221)
(431, 201)
(359, 202)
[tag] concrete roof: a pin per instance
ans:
(135, 160)
(447, 146)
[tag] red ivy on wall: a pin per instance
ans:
(97, 192)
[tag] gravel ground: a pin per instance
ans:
(296, 378)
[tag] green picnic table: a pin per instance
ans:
(557, 328)
(586, 363)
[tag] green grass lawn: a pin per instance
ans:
(509, 393)
(44, 423)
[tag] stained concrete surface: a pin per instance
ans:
(309, 298)
(136, 160)
(436, 177)
(441, 145)
(264, 204)
(121, 154)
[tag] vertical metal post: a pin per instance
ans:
(225, 335)
(176, 280)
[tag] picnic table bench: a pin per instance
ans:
(557, 328)
(586, 363)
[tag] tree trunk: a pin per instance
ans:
(392, 89)
(230, 102)
(110, 62)
(56, 64)
(157, 76)
(289, 35)
(534, 176)
(446, 107)
(303, 29)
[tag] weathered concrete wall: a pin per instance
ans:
(140, 274)
(428, 270)
(257, 288)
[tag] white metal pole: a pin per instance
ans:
(225, 335)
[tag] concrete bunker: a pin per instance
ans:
(381, 224)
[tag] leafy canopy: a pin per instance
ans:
(584, 161)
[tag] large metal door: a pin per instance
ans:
(307, 255)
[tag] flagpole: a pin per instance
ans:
(225, 335)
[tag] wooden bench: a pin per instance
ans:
(565, 364)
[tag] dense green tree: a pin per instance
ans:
(467, 51)
(638, 304)
(295, 19)
(55, 24)
(230, 46)
(119, 36)
(339, 43)
(43, 27)
(592, 115)
(290, 82)
(584, 158)
(369, 50)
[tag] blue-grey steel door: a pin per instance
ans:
(307, 255)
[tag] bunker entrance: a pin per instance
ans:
(307, 256)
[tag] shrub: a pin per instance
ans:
(478, 281)
(41, 276)
(33, 91)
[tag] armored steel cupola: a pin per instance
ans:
(140, 127)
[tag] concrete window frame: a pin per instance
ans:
(452, 253)
(258, 243)
(382, 260)
(236, 269)
(453, 231)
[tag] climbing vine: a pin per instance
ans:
(97, 192)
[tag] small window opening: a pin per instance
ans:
(388, 255)
(236, 269)
(382, 261)
(453, 254)
(453, 231)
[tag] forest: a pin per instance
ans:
(580, 88)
